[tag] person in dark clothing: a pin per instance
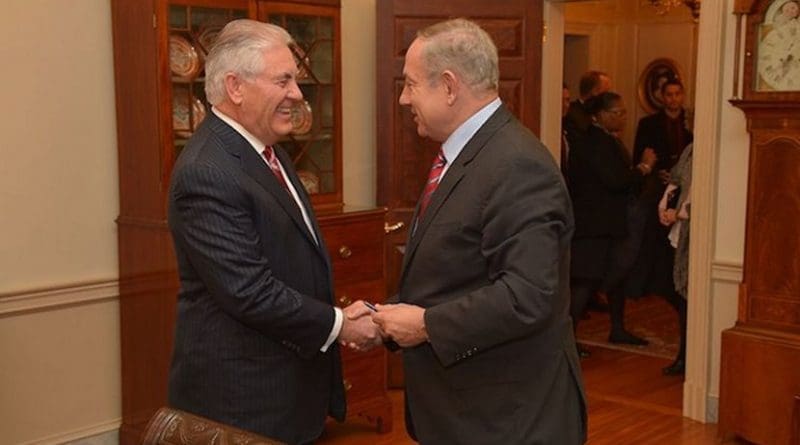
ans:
(677, 218)
(574, 124)
(565, 134)
(602, 185)
(578, 118)
(667, 134)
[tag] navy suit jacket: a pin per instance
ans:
(255, 304)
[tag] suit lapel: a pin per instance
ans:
(291, 176)
(452, 177)
(256, 168)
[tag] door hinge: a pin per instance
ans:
(544, 32)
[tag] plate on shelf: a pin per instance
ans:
(184, 59)
(310, 181)
(303, 62)
(208, 36)
(184, 122)
(301, 118)
(198, 113)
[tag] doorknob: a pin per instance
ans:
(389, 228)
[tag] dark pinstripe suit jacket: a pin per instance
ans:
(254, 307)
(490, 262)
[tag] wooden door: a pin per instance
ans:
(403, 157)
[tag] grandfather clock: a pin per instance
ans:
(760, 365)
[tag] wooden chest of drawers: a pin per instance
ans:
(355, 245)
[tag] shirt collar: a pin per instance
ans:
(459, 138)
(257, 145)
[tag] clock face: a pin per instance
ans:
(779, 58)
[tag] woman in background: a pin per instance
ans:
(602, 186)
(677, 216)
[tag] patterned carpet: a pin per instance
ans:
(650, 317)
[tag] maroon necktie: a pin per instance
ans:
(433, 181)
(272, 161)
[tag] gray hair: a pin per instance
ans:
(463, 47)
(239, 49)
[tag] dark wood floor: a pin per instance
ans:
(630, 402)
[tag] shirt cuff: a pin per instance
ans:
(337, 327)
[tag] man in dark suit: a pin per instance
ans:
(592, 83)
(256, 333)
(483, 310)
(664, 131)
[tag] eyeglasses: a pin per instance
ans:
(617, 111)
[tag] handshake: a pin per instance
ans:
(366, 326)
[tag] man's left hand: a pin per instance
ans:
(403, 323)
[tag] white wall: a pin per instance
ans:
(59, 377)
(358, 101)
(58, 178)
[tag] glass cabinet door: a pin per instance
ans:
(192, 30)
(315, 142)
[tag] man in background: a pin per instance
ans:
(592, 83)
(256, 332)
(483, 310)
(664, 131)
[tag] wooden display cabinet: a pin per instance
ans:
(159, 51)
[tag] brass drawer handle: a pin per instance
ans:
(345, 252)
(347, 385)
(389, 228)
(345, 300)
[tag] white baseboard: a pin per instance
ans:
(712, 409)
(694, 401)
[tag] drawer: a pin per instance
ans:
(364, 374)
(372, 291)
(356, 250)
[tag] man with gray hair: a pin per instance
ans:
(482, 309)
(256, 333)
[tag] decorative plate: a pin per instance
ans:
(310, 181)
(650, 80)
(185, 123)
(303, 62)
(198, 113)
(301, 118)
(208, 36)
(181, 117)
(184, 60)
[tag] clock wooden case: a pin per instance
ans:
(760, 357)
(159, 48)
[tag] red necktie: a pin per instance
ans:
(272, 161)
(433, 181)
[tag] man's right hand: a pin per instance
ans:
(359, 332)
(649, 157)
